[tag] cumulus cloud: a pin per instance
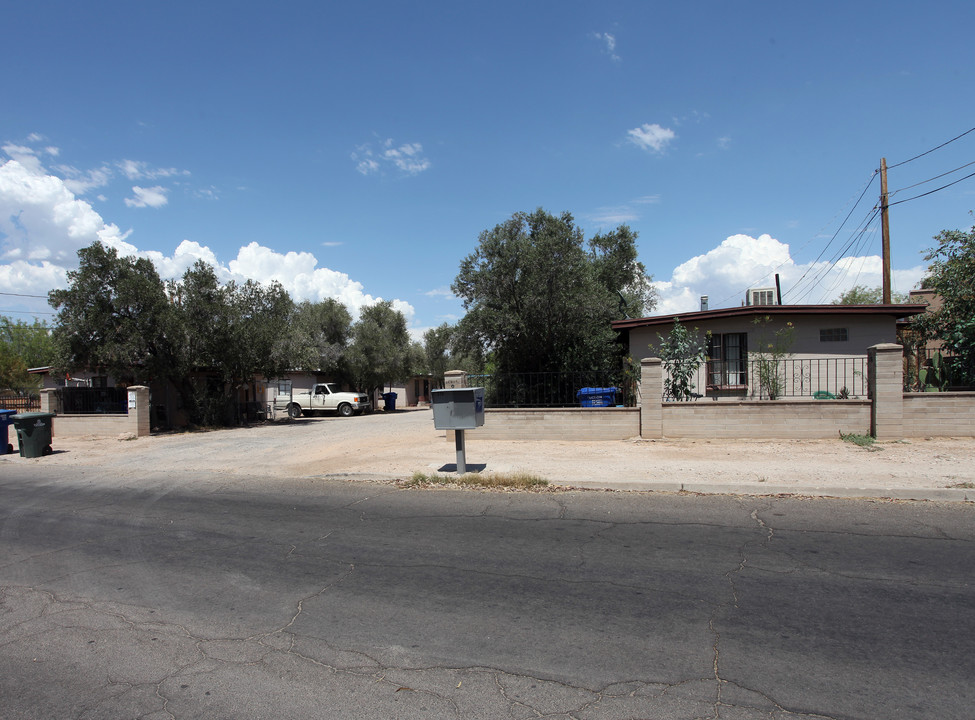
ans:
(148, 197)
(43, 225)
(407, 158)
(725, 272)
(651, 137)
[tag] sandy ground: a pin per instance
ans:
(394, 446)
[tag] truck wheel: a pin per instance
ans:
(294, 410)
(345, 410)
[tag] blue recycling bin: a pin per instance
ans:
(5, 422)
(390, 400)
(596, 397)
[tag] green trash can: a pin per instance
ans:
(34, 433)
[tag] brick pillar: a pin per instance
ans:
(650, 392)
(50, 401)
(885, 369)
(455, 379)
(138, 405)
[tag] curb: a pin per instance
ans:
(872, 493)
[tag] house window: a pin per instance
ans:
(284, 387)
(728, 360)
(834, 335)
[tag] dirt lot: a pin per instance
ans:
(391, 446)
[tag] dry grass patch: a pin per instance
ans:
(502, 481)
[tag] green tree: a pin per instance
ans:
(119, 317)
(23, 346)
(537, 300)
(115, 317)
(323, 331)
(862, 295)
(381, 348)
(952, 275)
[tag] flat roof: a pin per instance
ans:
(895, 310)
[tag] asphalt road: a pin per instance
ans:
(205, 596)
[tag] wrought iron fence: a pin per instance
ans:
(926, 370)
(554, 389)
(93, 401)
(765, 378)
(20, 403)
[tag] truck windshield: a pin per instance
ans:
(330, 388)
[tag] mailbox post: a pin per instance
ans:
(458, 409)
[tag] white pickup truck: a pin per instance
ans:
(326, 397)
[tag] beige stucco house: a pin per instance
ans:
(827, 353)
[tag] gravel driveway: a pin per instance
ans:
(395, 445)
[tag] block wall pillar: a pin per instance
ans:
(454, 379)
(139, 407)
(885, 369)
(650, 394)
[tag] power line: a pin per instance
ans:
(931, 192)
(42, 297)
(928, 152)
(936, 177)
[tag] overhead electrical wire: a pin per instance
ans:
(771, 272)
(930, 192)
(928, 152)
(858, 241)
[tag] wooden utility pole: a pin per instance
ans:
(885, 229)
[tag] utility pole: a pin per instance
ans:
(885, 230)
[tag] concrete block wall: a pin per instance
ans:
(556, 424)
(949, 414)
(135, 422)
(779, 419)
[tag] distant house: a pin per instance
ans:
(829, 346)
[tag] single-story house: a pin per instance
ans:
(826, 349)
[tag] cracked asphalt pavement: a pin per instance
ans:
(195, 594)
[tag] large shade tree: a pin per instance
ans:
(119, 317)
(381, 350)
(952, 275)
(115, 317)
(539, 298)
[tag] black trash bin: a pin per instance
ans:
(34, 433)
(390, 400)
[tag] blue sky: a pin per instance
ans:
(357, 150)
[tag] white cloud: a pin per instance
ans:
(609, 42)
(80, 182)
(43, 225)
(148, 197)
(42, 220)
(139, 170)
(724, 274)
(652, 138)
(407, 158)
(625, 213)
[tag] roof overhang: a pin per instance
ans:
(896, 311)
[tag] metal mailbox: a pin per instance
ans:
(458, 408)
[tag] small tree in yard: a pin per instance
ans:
(773, 349)
(682, 354)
